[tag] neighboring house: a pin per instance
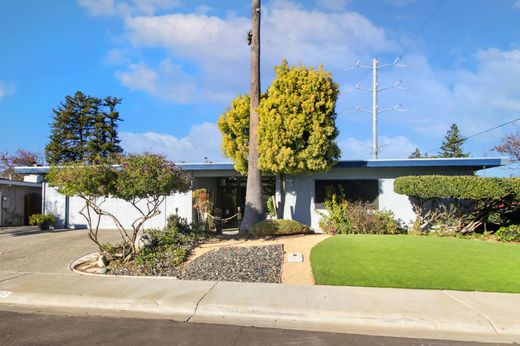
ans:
(18, 201)
(367, 180)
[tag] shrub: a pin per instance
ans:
(460, 203)
(355, 218)
(42, 219)
(278, 227)
(508, 234)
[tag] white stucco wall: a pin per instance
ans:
(56, 203)
(300, 203)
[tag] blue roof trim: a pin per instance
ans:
(475, 163)
(479, 163)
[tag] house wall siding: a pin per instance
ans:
(56, 203)
(300, 195)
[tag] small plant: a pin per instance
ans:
(356, 218)
(278, 227)
(42, 220)
(269, 206)
(508, 234)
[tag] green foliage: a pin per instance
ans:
(84, 128)
(138, 179)
(344, 217)
(452, 144)
(269, 206)
(297, 129)
(174, 244)
(459, 204)
(42, 219)
(508, 234)
(459, 187)
(278, 227)
(86, 181)
(336, 221)
(234, 126)
(148, 176)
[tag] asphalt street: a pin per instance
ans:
(58, 329)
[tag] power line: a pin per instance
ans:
(464, 139)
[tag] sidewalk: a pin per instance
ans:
(470, 316)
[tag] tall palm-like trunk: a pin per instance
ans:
(254, 208)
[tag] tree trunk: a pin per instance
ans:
(254, 208)
(281, 206)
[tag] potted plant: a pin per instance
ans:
(44, 221)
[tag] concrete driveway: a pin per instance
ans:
(27, 249)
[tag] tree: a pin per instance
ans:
(234, 127)
(20, 158)
(452, 144)
(416, 154)
(143, 181)
(83, 130)
(297, 130)
(254, 208)
(510, 146)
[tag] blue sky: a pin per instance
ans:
(178, 63)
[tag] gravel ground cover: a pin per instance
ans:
(242, 264)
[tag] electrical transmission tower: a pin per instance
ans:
(375, 93)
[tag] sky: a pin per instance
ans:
(177, 64)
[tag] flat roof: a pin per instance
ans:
(475, 163)
(18, 183)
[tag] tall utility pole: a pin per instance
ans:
(254, 208)
(375, 147)
(375, 93)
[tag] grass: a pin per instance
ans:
(417, 262)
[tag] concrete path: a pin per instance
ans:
(33, 273)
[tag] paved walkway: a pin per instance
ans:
(471, 316)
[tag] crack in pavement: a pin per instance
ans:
(200, 300)
(474, 309)
(15, 277)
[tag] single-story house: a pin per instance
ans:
(367, 180)
(18, 201)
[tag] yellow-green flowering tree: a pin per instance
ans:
(297, 130)
(234, 126)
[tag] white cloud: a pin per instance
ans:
(169, 82)
(202, 141)
(126, 8)
(218, 46)
(398, 147)
(6, 89)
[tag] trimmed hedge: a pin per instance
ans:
(278, 227)
(459, 187)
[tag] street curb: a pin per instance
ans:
(375, 311)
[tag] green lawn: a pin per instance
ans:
(417, 262)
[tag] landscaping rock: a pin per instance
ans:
(102, 261)
(243, 264)
(145, 241)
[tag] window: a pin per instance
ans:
(354, 190)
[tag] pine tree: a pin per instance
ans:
(83, 131)
(416, 154)
(452, 144)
